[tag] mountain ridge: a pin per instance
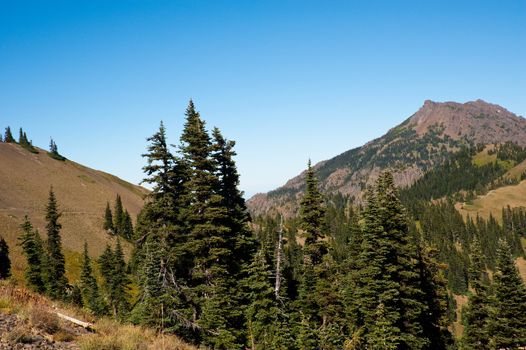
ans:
(425, 139)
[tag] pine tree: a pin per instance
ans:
(56, 279)
(34, 252)
(265, 321)
(118, 216)
(312, 218)
(89, 288)
(476, 314)
(127, 226)
(383, 332)
(203, 216)
(5, 263)
(388, 272)
(508, 316)
(119, 282)
(113, 270)
(53, 151)
(108, 219)
(159, 253)
(8, 136)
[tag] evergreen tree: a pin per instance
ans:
(108, 219)
(113, 270)
(127, 226)
(119, 282)
(5, 263)
(266, 324)
(56, 279)
(118, 216)
(312, 218)
(34, 252)
(388, 273)
(53, 151)
(159, 253)
(204, 216)
(508, 316)
(89, 288)
(8, 136)
(476, 313)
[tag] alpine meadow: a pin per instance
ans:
(295, 175)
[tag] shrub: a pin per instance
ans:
(44, 320)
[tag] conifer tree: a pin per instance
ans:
(108, 219)
(119, 282)
(476, 314)
(265, 322)
(160, 240)
(56, 279)
(312, 218)
(5, 262)
(34, 252)
(8, 136)
(53, 151)
(1, 138)
(113, 270)
(389, 272)
(203, 216)
(118, 216)
(127, 226)
(508, 316)
(89, 288)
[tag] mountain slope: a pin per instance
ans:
(25, 180)
(424, 140)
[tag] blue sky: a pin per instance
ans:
(287, 80)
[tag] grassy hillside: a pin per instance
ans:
(495, 200)
(82, 193)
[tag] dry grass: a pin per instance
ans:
(495, 200)
(44, 320)
(111, 335)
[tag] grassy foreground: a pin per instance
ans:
(31, 319)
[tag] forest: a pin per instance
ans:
(380, 275)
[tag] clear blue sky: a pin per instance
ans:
(287, 80)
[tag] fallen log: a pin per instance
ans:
(86, 325)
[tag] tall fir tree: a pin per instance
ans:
(476, 314)
(203, 217)
(508, 316)
(389, 273)
(266, 323)
(118, 216)
(89, 288)
(127, 226)
(35, 256)
(312, 218)
(5, 262)
(312, 221)
(108, 219)
(56, 279)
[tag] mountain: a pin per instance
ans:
(424, 140)
(82, 193)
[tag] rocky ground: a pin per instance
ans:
(16, 333)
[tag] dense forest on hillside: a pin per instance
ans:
(382, 275)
